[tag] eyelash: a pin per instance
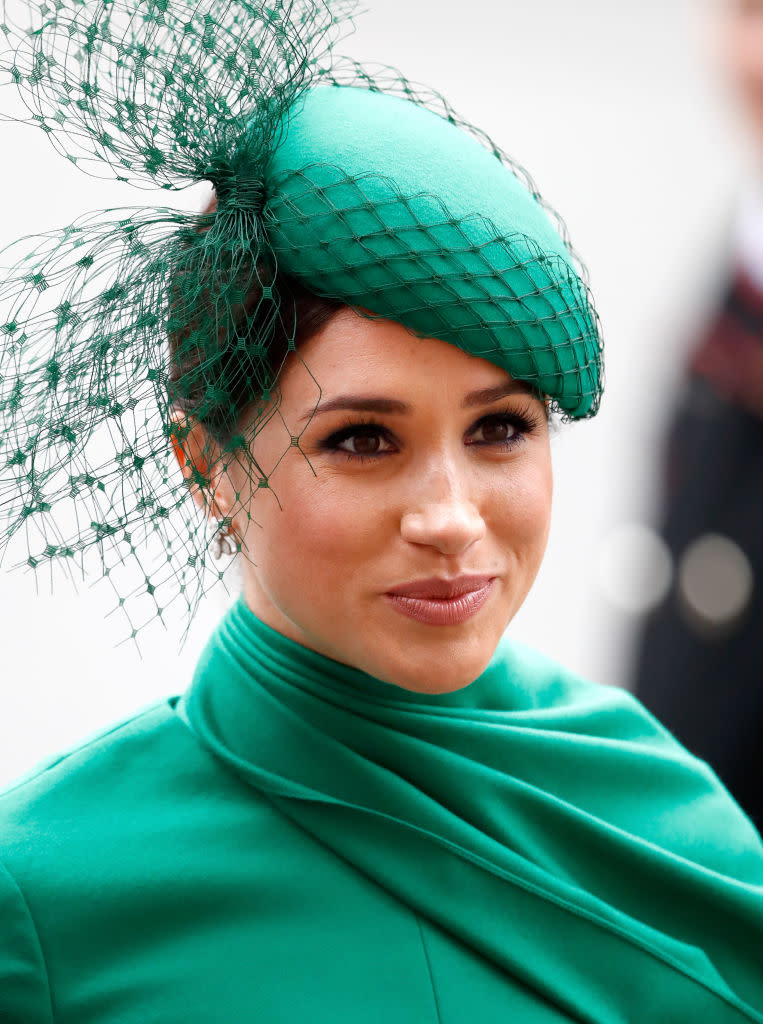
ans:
(523, 420)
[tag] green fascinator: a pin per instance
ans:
(331, 179)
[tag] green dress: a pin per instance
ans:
(293, 840)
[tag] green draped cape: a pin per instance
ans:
(294, 840)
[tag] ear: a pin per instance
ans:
(200, 461)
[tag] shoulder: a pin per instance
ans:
(569, 704)
(611, 756)
(93, 762)
(548, 687)
(136, 769)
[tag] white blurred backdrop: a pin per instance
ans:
(619, 113)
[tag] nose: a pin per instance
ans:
(442, 516)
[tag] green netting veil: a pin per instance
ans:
(121, 330)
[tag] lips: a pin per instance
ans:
(436, 589)
(438, 602)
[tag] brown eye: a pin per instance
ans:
(495, 430)
(360, 441)
(363, 444)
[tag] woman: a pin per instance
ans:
(367, 805)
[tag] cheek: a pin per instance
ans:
(320, 537)
(520, 512)
(326, 534)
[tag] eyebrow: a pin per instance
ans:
(380, 404)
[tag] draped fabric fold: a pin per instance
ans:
(548, 823)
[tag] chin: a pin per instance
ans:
(442, 671)
(432, 659)
(437, 681)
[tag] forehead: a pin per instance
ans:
(354, 352)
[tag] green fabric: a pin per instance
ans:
(389, 206)
(294, 840)
(375, 133)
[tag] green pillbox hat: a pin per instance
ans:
(385, 204)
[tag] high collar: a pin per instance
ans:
(256, 651)
(548, 824)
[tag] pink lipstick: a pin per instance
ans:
(439, 602)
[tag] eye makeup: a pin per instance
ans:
(366, 439)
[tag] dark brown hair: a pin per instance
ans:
(301, 315)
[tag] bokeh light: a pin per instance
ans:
(715, 581)
(635, 568)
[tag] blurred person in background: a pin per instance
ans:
(699, 660)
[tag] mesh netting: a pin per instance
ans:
(122, 331)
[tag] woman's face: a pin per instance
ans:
(416, 463)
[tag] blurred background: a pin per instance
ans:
(629, 124)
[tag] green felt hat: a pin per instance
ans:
(122, 330)
(389, 206)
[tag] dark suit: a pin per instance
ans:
(705, 682)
